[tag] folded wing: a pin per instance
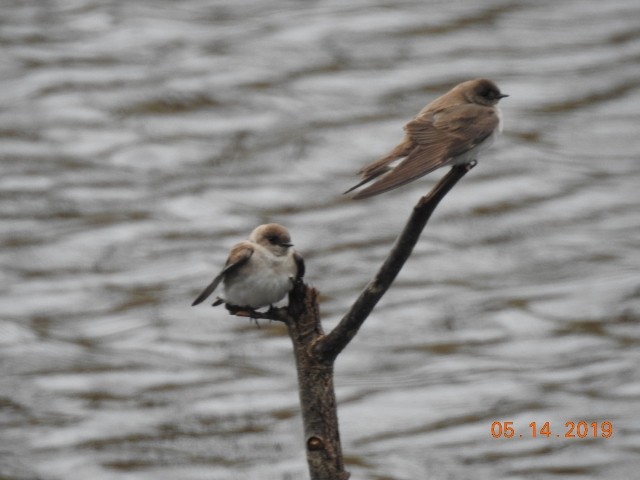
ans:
(238, 256)
(436, 140)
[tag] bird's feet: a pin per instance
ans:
(273, 313)
(240, 311)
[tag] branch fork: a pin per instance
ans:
(315, 352)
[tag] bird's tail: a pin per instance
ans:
(382, 165)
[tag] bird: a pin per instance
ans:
(451, 130)
(259, 271)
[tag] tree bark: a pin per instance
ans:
(315, 383)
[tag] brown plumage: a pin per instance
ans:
(452, 129)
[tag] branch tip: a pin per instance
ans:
(351, 322)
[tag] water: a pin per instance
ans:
(140, 140)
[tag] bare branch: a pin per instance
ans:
(330, 346)
(315, 382)
(316, 352)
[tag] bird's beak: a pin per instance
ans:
(502, 95)
(287, 244)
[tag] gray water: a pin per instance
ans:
(140, 139)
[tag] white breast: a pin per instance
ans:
(264, 280)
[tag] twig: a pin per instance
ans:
(330, 346)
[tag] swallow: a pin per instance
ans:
(451, 130)
(259, 271)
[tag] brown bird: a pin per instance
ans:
(259, 271)
(453, 129)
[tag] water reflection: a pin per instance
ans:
(139, 140)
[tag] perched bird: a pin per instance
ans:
(259, 271)
(451, 130)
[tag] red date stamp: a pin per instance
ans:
(572, 429)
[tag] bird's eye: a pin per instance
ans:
(486, 93)
(273, 239)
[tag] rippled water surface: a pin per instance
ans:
(140, 139)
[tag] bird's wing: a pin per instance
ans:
(238, 256)
(437, 138)
(457, 129)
